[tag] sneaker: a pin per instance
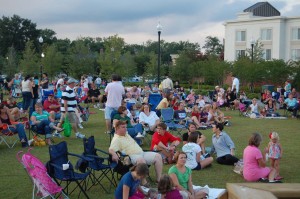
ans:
(80, 126)
(95, 106)
(56, 134)
(98, 105)
(108, 132)
(101, 109)
(139, 135)
(30, 142)
(79, 135)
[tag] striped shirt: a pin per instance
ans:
(69, 96)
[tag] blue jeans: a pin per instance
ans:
(44, 128)
(32, 104)
(20, 130)
(138, 128)
(27, 97)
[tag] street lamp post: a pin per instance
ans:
(159, 29)
(42, 55)
(252, 48)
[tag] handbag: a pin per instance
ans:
(67, 127)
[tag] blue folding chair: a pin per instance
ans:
(58, 158)
(100, 166)
(45, 93)
(154, 100)
(167, 116)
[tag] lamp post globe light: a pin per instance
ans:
(41, 40)
(159, 29)
(252, 48)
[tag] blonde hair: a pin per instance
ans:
(274, 135)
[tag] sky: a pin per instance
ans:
(136, 20)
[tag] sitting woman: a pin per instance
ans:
(270, 109)
(148, 118)
(134, 130)
(255, 162)
(195, 160)
(193, 128)
(181, 177)
(6, 118)
(215, 114)
(13, 108)
(129, 186)
(164, 103)
(43, 121)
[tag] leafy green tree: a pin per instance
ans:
(11, 65)
(81, 60)
(53, 61)
(16, 31)
(258, 51)
(213, 46)
(31, 62)
(277, 71)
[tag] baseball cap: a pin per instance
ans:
(71, 80)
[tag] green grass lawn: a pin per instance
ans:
(15, 183)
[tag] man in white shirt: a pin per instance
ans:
(114, 92)
(235, 84)
(167, 85)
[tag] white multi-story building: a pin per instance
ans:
(279, 35)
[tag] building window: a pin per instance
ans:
(295, 54)
(240, 53)
(240, 36)
(295, 33)
(266, 34)
(267, 54)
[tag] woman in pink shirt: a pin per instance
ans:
(254, 162)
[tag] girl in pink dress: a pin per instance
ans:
(275, 152)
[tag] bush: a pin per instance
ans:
(253, 95)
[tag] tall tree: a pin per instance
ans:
(31, 61)
(11, 65)
(16, 31)
(213, 46)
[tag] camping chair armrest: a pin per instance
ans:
(80, 156)
(104, 152)
(96, 157)
(57, 166)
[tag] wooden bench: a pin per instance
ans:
(262, 190)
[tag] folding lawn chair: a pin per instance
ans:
(43, 184)
(167, 116)
(45, 93)
(7, 136)
(62, 171)
(154, 100)
(100, 166)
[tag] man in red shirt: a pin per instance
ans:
(52, 106)
(164, 142)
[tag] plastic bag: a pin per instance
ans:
(67, 127)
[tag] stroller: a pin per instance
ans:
(43, 185)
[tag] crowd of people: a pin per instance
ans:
(131, 118)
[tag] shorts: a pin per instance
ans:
(108, 111)
(71, 116)
(148, 156)
(198, 167)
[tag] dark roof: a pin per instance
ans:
(263, 9)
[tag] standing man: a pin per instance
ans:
(235, 84)
(68, 106)
(114, 92)
(223, 146)
(167, 85)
